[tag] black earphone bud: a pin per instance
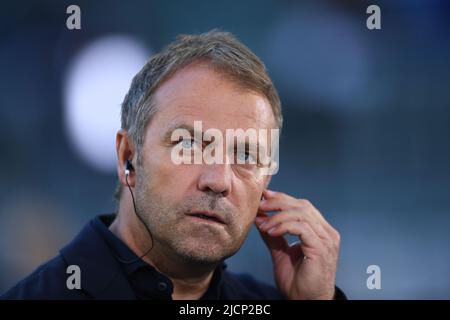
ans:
(128, 167)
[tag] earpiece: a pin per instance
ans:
(128, 167)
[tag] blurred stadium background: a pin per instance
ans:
(366, 138)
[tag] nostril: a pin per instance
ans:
(212, 181)
(217, 191)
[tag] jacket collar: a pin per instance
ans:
(101, 275)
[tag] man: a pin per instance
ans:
(177, 223)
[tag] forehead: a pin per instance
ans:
(197, 92)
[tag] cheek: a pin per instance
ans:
(250, 201)
(157, 173)
(169, 180)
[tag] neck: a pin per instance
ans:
(190, 279)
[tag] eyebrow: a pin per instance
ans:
(167, 136)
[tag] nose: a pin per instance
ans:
(216, 178)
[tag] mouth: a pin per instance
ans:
(207, 216)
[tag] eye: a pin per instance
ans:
(245, 157)
(188, 143)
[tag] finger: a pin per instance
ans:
(261, 217)
(304, 208)
(300, 229)
(278, 197)
(277, 201)
(274, 201)
(268, 194)
(325, 224)
(275, 244)
(292, 215)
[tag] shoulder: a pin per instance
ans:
(100, 274)
(244, 286)
(47, 282)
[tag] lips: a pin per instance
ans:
(207, 216)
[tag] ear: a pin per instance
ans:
(125, 151)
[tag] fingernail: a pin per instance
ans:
(271, 230)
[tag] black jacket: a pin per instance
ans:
(103, 276)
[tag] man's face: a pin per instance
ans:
(171, 197)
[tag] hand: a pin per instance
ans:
(306, 269)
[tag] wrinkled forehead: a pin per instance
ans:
(213, 118)
(199, 93)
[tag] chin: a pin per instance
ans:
(206, 252)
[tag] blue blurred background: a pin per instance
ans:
(366, 137)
